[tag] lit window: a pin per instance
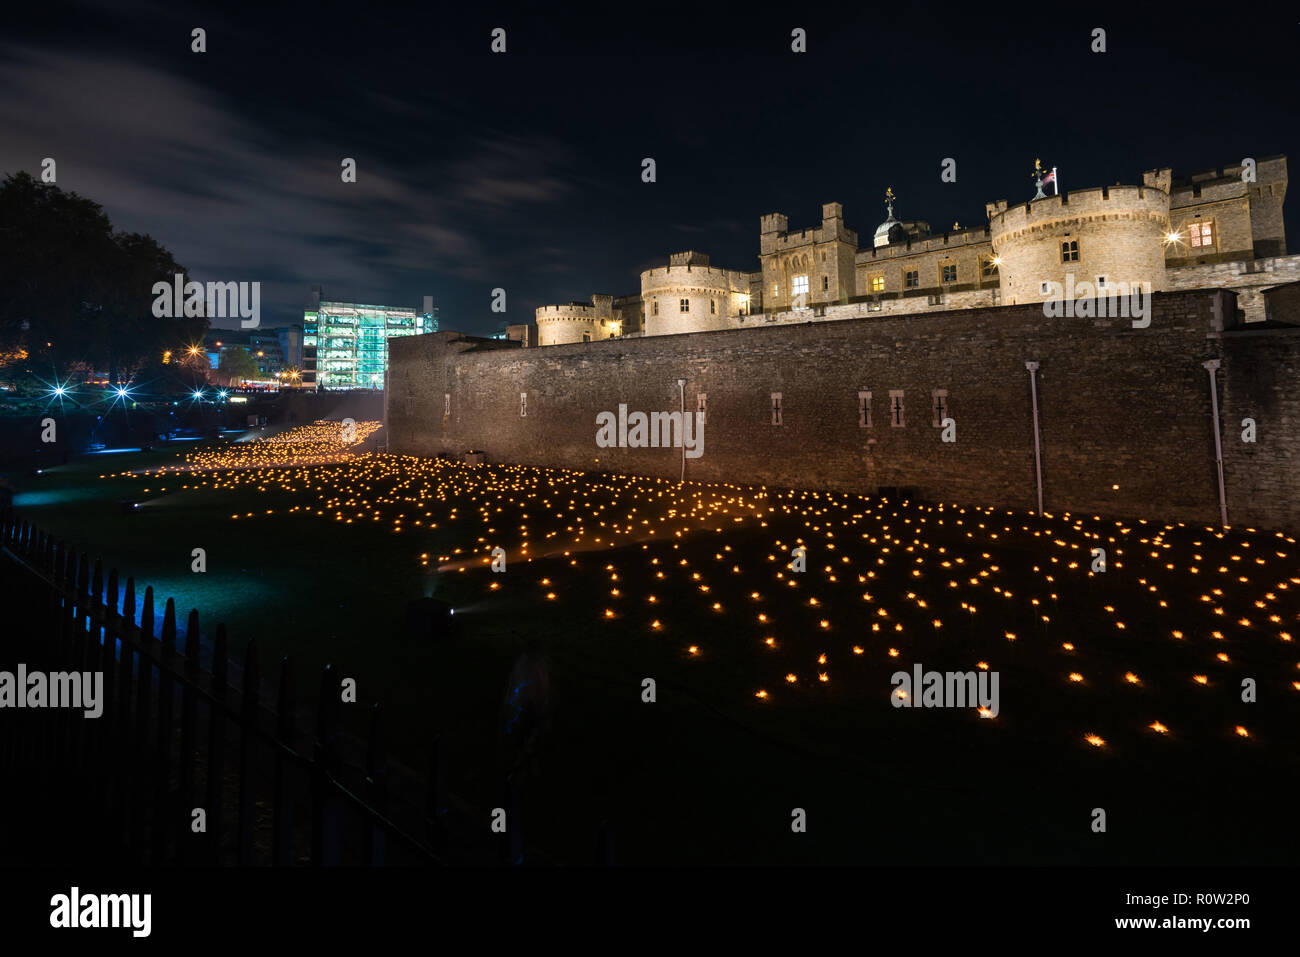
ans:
(877, 283)
(685, 305)
(776, 289)
(950, 272)
(912, 279)
(1070, 251)
(989, 268)
(1200, 235)
(800, 285)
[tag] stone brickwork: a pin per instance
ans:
(689, 295)
(1245, 218)
(1124, 413)
(1114, 232)
(1260, 379)
(823, 255)
(969, 250)
(578, 322)
(1247, 279)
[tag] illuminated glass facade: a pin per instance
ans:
(345, 345)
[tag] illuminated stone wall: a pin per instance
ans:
(1124, 412)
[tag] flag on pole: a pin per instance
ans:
(1050, 177)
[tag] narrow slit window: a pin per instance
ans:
(896, 408)
(776, 408)
(864, 410)
(940, 407)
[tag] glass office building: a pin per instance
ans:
(345, 345)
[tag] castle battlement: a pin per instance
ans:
(1078, 206)
(689, 276)
(572, 311)
(971, 236)
(1165, 232)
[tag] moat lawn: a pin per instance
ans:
(1121, 690)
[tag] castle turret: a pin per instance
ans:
(1102, 236)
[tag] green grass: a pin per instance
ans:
(709, 773)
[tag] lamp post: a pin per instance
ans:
(1211, 366)
(681, 388)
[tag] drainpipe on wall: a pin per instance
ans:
(681, 388)
(1038, 455)
(1211, 365)
(386, 391)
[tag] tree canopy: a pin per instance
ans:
(237, 363)
(74, 291)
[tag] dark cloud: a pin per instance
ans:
(523, 171)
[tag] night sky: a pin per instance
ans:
(523, 170)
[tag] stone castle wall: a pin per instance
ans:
(1247, 279)
(1124, 412)
(1120, 231)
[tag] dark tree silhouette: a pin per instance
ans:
(72, 290)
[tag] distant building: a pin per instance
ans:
(263, 345)
(525, 332)
(291, 345)
(345, 345)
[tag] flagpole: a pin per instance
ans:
(1056, 183)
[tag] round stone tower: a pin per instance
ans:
(689, 295)
(1110, 235)
(577, 322)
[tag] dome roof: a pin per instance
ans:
(891, 229)
(888, 231)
